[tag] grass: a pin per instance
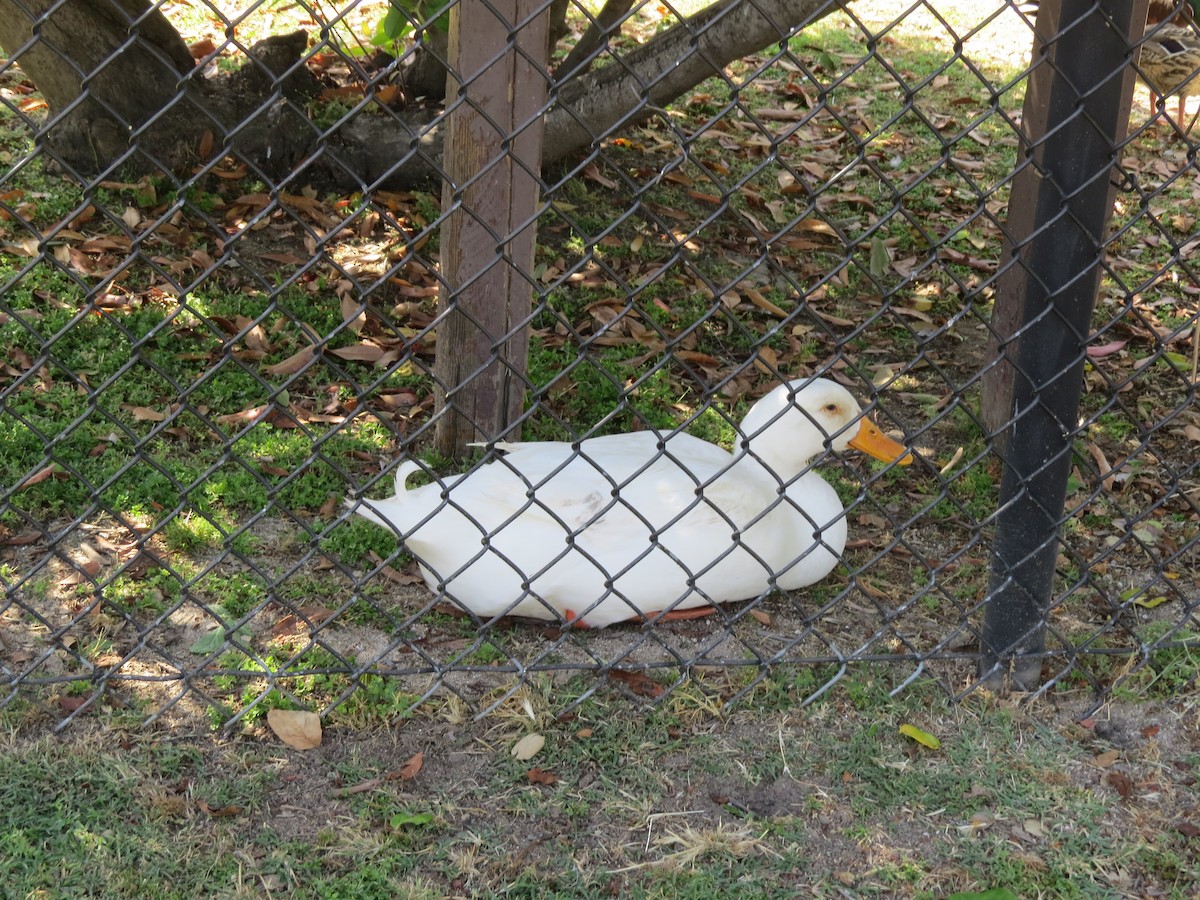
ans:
(666, 803)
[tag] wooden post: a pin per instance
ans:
(496, 94)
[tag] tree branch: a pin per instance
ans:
(671, 63)
(612, 15)
(147, 93)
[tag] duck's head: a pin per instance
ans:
(797, 420)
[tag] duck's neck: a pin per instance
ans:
(766, 458)
(768, 444)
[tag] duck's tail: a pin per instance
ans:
(374, 511)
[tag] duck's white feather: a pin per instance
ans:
(630, 524)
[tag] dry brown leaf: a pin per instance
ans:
(767, 361)
(406, 289)
(304, 414)
(21, 539)
(246, 415)
(764, 304)
(1120, 783)
(26, 246)
(354, 314)
(872, 590)
(638, 682)
(202, 48)
(364, 352)
(256, 339)
(409, 770)
(1106, 477)
(540, 776)
(289, 626)
(342, 92)
(409, 577)
(1106, 759)
(910, 312)
(860, 199)
(144, 413)
(330, 507)
(706, 360)
(51, 471)
(974, 262)
(363, 786)
(204, 150)
(528, 747)
(255, 201)
(285, 259)
(293, 363)
(84, 571)
(282, 418)
(298, 728)
(219, 812)
(781, 115)
(838, 320)
(591, 172)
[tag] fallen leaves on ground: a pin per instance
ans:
(528, 746)
(410, 769)
(298, 728)
(406, 772)
(219, 812)
(638, 682)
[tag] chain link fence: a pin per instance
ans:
(225, 238)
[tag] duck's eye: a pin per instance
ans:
(831, 408)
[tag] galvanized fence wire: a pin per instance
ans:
(211, 344)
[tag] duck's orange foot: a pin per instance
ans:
(675, 615)
(573, 620)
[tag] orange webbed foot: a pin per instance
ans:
(573, 620)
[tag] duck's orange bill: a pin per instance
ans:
(872, 441)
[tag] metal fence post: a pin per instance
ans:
(1076, 113)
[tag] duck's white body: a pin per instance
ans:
(633, 524)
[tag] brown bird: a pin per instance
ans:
(1170, 49)
(1170, 64)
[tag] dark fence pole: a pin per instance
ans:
(1076, 113)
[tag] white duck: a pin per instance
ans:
(631, 525)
